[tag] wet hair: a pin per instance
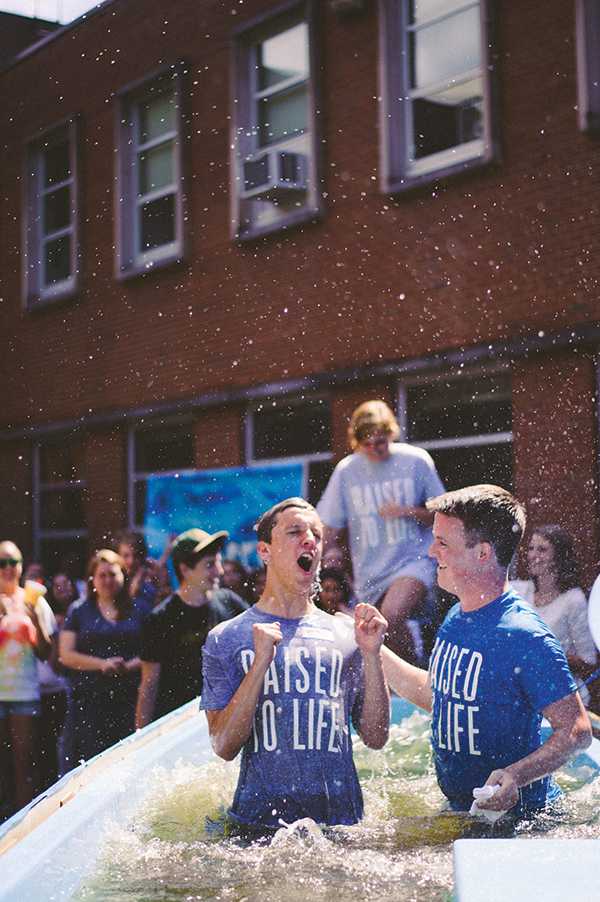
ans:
(565, 562)
(488, 513)
(370, 417)
(135, 539)
(123, 602)
(268, 520)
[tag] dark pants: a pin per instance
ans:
(50, 724)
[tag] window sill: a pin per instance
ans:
(407, 183)
(302, 217)
(53, 298)
(138, 269)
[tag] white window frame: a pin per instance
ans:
(304, 459)
(131, 260)
(587, 27)
(477, 439)
(245, 127)
(398, 171)
(35, 292)
(134, 476)
(38, 489)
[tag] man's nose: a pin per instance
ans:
(432, 550)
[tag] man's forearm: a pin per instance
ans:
(406, 680)
(146, 702)
(230, 728)
(557, 749)
(375, 716)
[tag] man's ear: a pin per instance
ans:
(485, 551)
(184, 570)
(264, 552)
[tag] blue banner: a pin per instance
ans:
(230, 499)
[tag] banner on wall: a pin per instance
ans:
(231, 499)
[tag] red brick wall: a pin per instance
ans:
(219, 438)
(17, 508)
(480, 258)
(556, 462)
(105, 463)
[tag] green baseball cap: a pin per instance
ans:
(193, 542)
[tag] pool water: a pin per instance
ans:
(402, 850)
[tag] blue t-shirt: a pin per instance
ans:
(381, 547)
(103, 639)
(298, 760)
(492, 672)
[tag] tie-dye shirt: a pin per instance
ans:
(19, 681)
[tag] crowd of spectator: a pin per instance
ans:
(83, 662)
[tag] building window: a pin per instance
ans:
(437, 90)
(275, 178)
(588, 64)
(51, 251)
(59, 488)
(150, 195)
(295, 430)
(465, 422)
(163, 448)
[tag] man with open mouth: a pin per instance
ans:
(284, 680)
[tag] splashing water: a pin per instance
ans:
(401, 851)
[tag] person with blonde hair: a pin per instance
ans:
(26, 630)
(378, 494)
(100, 645)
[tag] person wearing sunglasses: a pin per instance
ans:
(378, 495)
(26, 631)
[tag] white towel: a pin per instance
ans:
(484, 793)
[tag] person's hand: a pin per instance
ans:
(370, 627)
(504, 798)
(266, 638)
(113, 666)
(390, 510)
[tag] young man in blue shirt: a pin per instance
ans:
(282, 682)
(495, 668)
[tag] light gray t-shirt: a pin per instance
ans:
(382, 547)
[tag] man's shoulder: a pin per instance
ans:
(227, 602)
(401, 451)
(234, 625)
(166, 609)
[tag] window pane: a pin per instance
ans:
(283, 56)
(157, 116)
(446, 49)
(56, 163)
(283, 115)
(57, 209)
(447, 119)
(474, 465)
(140, 501)
(459, 408)
(164, 448)
(158, 222)
(319, 472)
(61, 461)
(62, 509)
(156, 168)
(57, 260)
(289, 430)
(421, 10)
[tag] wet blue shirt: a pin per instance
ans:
(298, 760)
(492, 673)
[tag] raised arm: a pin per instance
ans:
(231, 726)
(571, 732)
(406, 680)
(370, 628)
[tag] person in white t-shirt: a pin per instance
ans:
(553, 590)
(378, 495)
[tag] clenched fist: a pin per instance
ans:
(370, 627)
(266, 638)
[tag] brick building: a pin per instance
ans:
(224, 224)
